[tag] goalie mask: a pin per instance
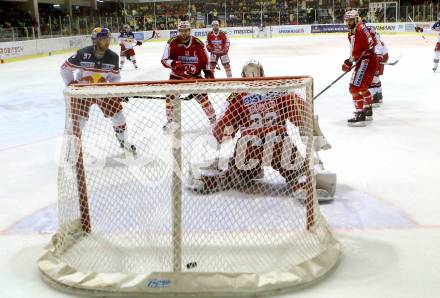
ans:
(252, 69)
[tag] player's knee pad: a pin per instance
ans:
(225, 59)
(355, 90)
(118, 119)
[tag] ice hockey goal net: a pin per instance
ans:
(137, 224)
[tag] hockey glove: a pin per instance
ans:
(209, 48)
(419, 29)
(379, 59)
(346, 67)
(138, 43)
(208, 74)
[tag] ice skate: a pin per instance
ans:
(368, 113)
(358, 120)
(377, 99)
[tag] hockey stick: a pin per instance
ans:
(188, 97)
(152, 36)
(392, 63)
(415, 26)
(334, 82)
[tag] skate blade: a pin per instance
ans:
(357, 124)
(368, 118)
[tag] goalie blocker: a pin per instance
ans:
(264, 142)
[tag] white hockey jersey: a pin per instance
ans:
(127, 40)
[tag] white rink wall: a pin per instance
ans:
(40, 46)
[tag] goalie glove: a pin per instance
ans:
(346, 67)
(419, 29)
(138, 43)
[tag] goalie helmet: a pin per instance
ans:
(126, 28)
(100, 33)
(183, 25)
(252, 69)
(351, 14)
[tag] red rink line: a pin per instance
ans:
(28, 144)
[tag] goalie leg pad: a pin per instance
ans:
(319, 140)
(326, 183)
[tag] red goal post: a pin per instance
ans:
(129, 224)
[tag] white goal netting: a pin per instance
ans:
(262, 32)
(226, 207)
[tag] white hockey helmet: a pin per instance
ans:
(252, 69)
(351, 14)
(183, 25)
(126, 27)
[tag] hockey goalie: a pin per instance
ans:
(258, 122)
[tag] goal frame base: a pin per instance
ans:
(65, 278)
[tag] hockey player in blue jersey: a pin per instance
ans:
(98, 64)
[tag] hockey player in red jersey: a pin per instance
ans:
(186, 56)
(217, 44)
(362, 53)
(98, 64)
(127, 43)
(260, 121)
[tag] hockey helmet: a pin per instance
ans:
(126, 28)
(252, 69)
(100, 33)
(183, 25)
(351, 14)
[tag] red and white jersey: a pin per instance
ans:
(192, 55)
(217, 42)
(127, 40)
(258, 114)
(380, 48)
(361, 41)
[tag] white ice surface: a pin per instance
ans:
(386, 213)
